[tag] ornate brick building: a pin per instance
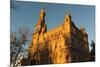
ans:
(63, 44)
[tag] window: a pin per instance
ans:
(55, 46)
(67, 56)
(67, 19)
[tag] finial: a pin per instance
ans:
(42, 10)
(82, 27)
(43, 6)
(68, 12)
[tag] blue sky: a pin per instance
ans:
(27, 13)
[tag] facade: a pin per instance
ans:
(64, 44)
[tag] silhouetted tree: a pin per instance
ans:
(18, 40)
(92, 52)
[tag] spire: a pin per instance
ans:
(42, 14)
(68, 13)
(42, 10)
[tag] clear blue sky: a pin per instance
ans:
(27, 13)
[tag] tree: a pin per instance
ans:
(92, 52)
(18, 40)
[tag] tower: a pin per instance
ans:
(36, 49)
(67, 25)
(67, 34)
(40, 25)
(85, 37)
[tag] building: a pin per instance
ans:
(64, 44)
